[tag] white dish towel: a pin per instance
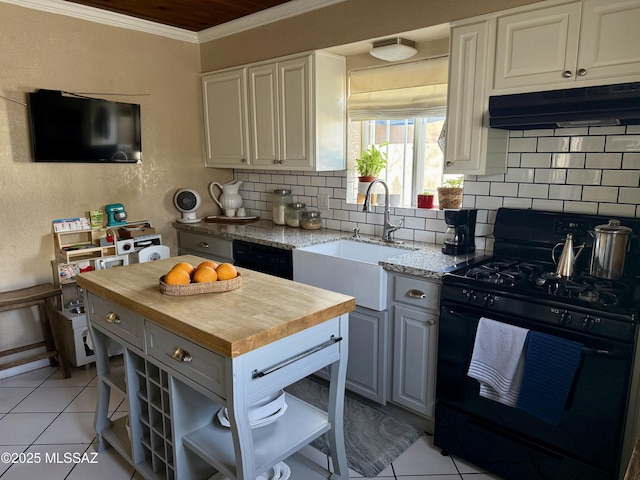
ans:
(497, 361)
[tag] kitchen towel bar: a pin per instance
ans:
(306, 353)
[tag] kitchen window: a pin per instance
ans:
(414, 156)
(400, 108)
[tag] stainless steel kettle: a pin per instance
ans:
(610, 246)
(566, 263)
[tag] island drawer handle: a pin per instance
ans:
(413, 293)
(113, 317)
(181, 355)
(256, 374)
(203, 245)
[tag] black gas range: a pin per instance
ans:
(517, 285)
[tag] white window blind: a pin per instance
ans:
(405, 90)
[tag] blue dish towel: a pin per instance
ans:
(549, 368)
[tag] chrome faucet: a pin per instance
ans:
(388, 228)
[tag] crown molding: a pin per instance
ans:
(105, 17)
(264, 17)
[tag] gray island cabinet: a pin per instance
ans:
(186, 357)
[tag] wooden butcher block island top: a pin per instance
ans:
(263, 310)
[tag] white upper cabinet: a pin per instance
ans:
(471, 147)
(591, 42)
(225, 118)
(609, 44)
(295, 110)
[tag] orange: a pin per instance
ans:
(186, 266)
(205, 274)
(177, 276)
(208, 263)
(226, 271)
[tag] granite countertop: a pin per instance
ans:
(414, 258)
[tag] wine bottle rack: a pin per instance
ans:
(155, 418)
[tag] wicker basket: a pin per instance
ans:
(198, 288)
(449, 197)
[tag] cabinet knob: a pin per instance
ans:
(181, 355)
(203, 245)
(413, 293)
(431, 322)
(582, 72)
(244, 160)
(567, 74)
(113, 317)
(449, 163)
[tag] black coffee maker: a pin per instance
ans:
(461, 230)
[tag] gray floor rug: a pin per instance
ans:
(373, 439)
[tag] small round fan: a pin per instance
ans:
(187, 201)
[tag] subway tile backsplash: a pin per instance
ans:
(592, 170)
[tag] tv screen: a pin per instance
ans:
(80, 129)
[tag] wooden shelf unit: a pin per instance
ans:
(87, 243)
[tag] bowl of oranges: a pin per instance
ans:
(207, 277)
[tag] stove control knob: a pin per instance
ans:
(565, 318)
(488, 300)
(471, 296)
(589, 322)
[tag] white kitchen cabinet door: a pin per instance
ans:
(471, 147)
(610, 39)
(295, 112)
(537, 47)
(263, 114)
(225, 118)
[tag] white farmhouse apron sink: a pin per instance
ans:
(348, 267)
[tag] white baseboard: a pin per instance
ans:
(27, 367)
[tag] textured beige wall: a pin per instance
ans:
(44, 50)
(340, 24)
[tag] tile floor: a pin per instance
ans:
(48, 420)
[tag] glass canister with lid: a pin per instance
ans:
(280, 199)
(293, 214)
(311, 219)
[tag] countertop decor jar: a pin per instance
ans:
(311, 220)
(293, 214)
(280, 199)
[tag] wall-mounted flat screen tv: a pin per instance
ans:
(67, 128)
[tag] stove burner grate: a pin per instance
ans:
(530, 277)
(509, 273)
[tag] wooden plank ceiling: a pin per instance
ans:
(193, 15)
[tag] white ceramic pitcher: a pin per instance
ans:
(230, 200)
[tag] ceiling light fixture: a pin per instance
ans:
(394, 49)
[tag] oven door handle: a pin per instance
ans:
(464, 311)
(454, 309)
(602, 353)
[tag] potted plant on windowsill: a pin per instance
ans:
(450, 193)
(369, 165)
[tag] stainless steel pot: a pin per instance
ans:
(609, 250)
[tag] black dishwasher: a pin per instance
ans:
(263, 258)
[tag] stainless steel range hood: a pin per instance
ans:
(603, 105)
